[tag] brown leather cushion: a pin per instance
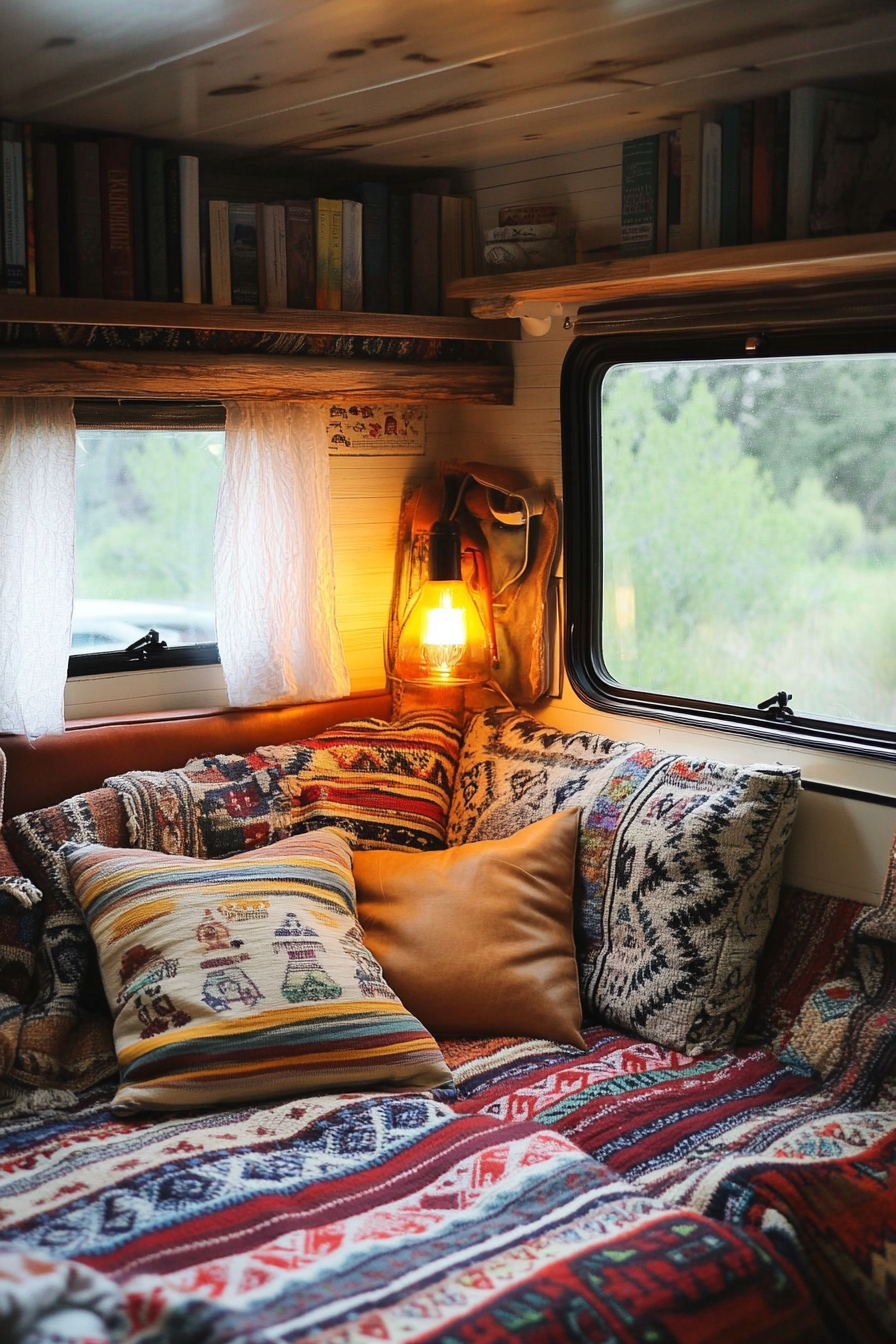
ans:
(478, 940)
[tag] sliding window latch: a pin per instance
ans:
(146, 647)
(776, 706)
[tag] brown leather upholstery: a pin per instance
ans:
(44, 772)
(478, 940)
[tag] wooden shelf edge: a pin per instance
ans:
(798, 261)
(197, 376)
(15, 307)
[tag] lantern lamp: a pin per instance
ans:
(443, 640)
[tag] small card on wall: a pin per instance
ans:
(358, 429)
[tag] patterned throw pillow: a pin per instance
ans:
(243, 978)
(388, 785)
(679, 867)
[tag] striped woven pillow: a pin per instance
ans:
(243, 978)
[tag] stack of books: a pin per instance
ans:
(117, 218)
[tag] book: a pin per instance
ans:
(514, 233)
(640, 164)
(328, 251)
(138, 221)
(15, 253)
(763, 169)
(188, 206)
(300, 266)
(274, 254)
(46, 219)
(662, 193)
(399, 253)
(425, 288)
(711, 186)
(156, 239)
(806, 111)
(452, 251)
(30, 243)
(87, 220)
(854, 176)
(779, 167)
(334, 258)
(260, 262)
(115, 198)
(172, 231)
(468, 236)
(243, 228)
(730, 207)
(529, 214)
(352, 256)
(204, 257)
(674, 193)
(745, 176)
(219, 251)
(691, 180)
(375, 246)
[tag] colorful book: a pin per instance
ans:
(352, 297)
(188, 207)
(138, 221)
(15, 249)
(172, 231)
(243, 253)
(691, 180)
(452, 251)
(115, 197)
(728, 226)
(780, 167)
(745, 176)
(274, 254)
(219, 251)
(87, 220)
(806, 110)
(662, 193)
(156, 232)
(300, 265)
(30, 236)
(375, 246)
(399, 253)
(674, 193)
(425, 288)
(640, 166)
(711, 186)
(46, 218)
(763, 169)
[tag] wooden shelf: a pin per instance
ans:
(799, 261)
(207, 317)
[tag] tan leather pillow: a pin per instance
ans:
(478, 940)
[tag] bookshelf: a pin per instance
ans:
(799, 261)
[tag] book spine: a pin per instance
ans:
(261, 258)
(711, 192)
(639, 189)
(452, 251)
(219, 251)
(322, 230)
(805, 126)
(138, 222)
(205, 264)
(779, 167)
(88, 220)
(15, 257)
(242, 220)
(188, 206)
(745, 176)
(115, 196)
(468, 241)
(730, 176)
(691, 180)
(662, 193)
(334, 270)
(352, 256)
(399, 253)
(275, 255)
(375, 246)
(674, 197)
(763, 169)
(30, 236)
(172, 231)
(156, 229)
(424, 253)
(300, 269)
(49, 279)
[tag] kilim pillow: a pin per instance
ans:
(244, 978)
(679, 867)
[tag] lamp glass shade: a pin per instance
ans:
(443, 640)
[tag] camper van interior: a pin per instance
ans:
(448, 672)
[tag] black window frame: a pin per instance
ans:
(122, 414)
(587, 362)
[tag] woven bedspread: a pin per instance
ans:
(366, 1217)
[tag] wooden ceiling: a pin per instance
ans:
(421, 83)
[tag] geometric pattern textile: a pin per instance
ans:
(243, 978)
(387, 785)
(680, 865)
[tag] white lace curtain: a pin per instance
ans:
(275, 604)
(37, 561)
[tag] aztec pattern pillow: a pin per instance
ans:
(243, 978)
(679, 867)
(387, 785)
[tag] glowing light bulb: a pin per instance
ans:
(443, 638)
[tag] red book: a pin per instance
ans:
(763, 168)
(46, 218)
(301, 277)
(115, 198)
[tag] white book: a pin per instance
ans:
(219, 251)
(711, 187)
(806, 112)
(13, 271)
(275, 255)
(190, 261)
(352, 260)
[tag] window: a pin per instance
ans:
(732, 531)
(146, 482)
